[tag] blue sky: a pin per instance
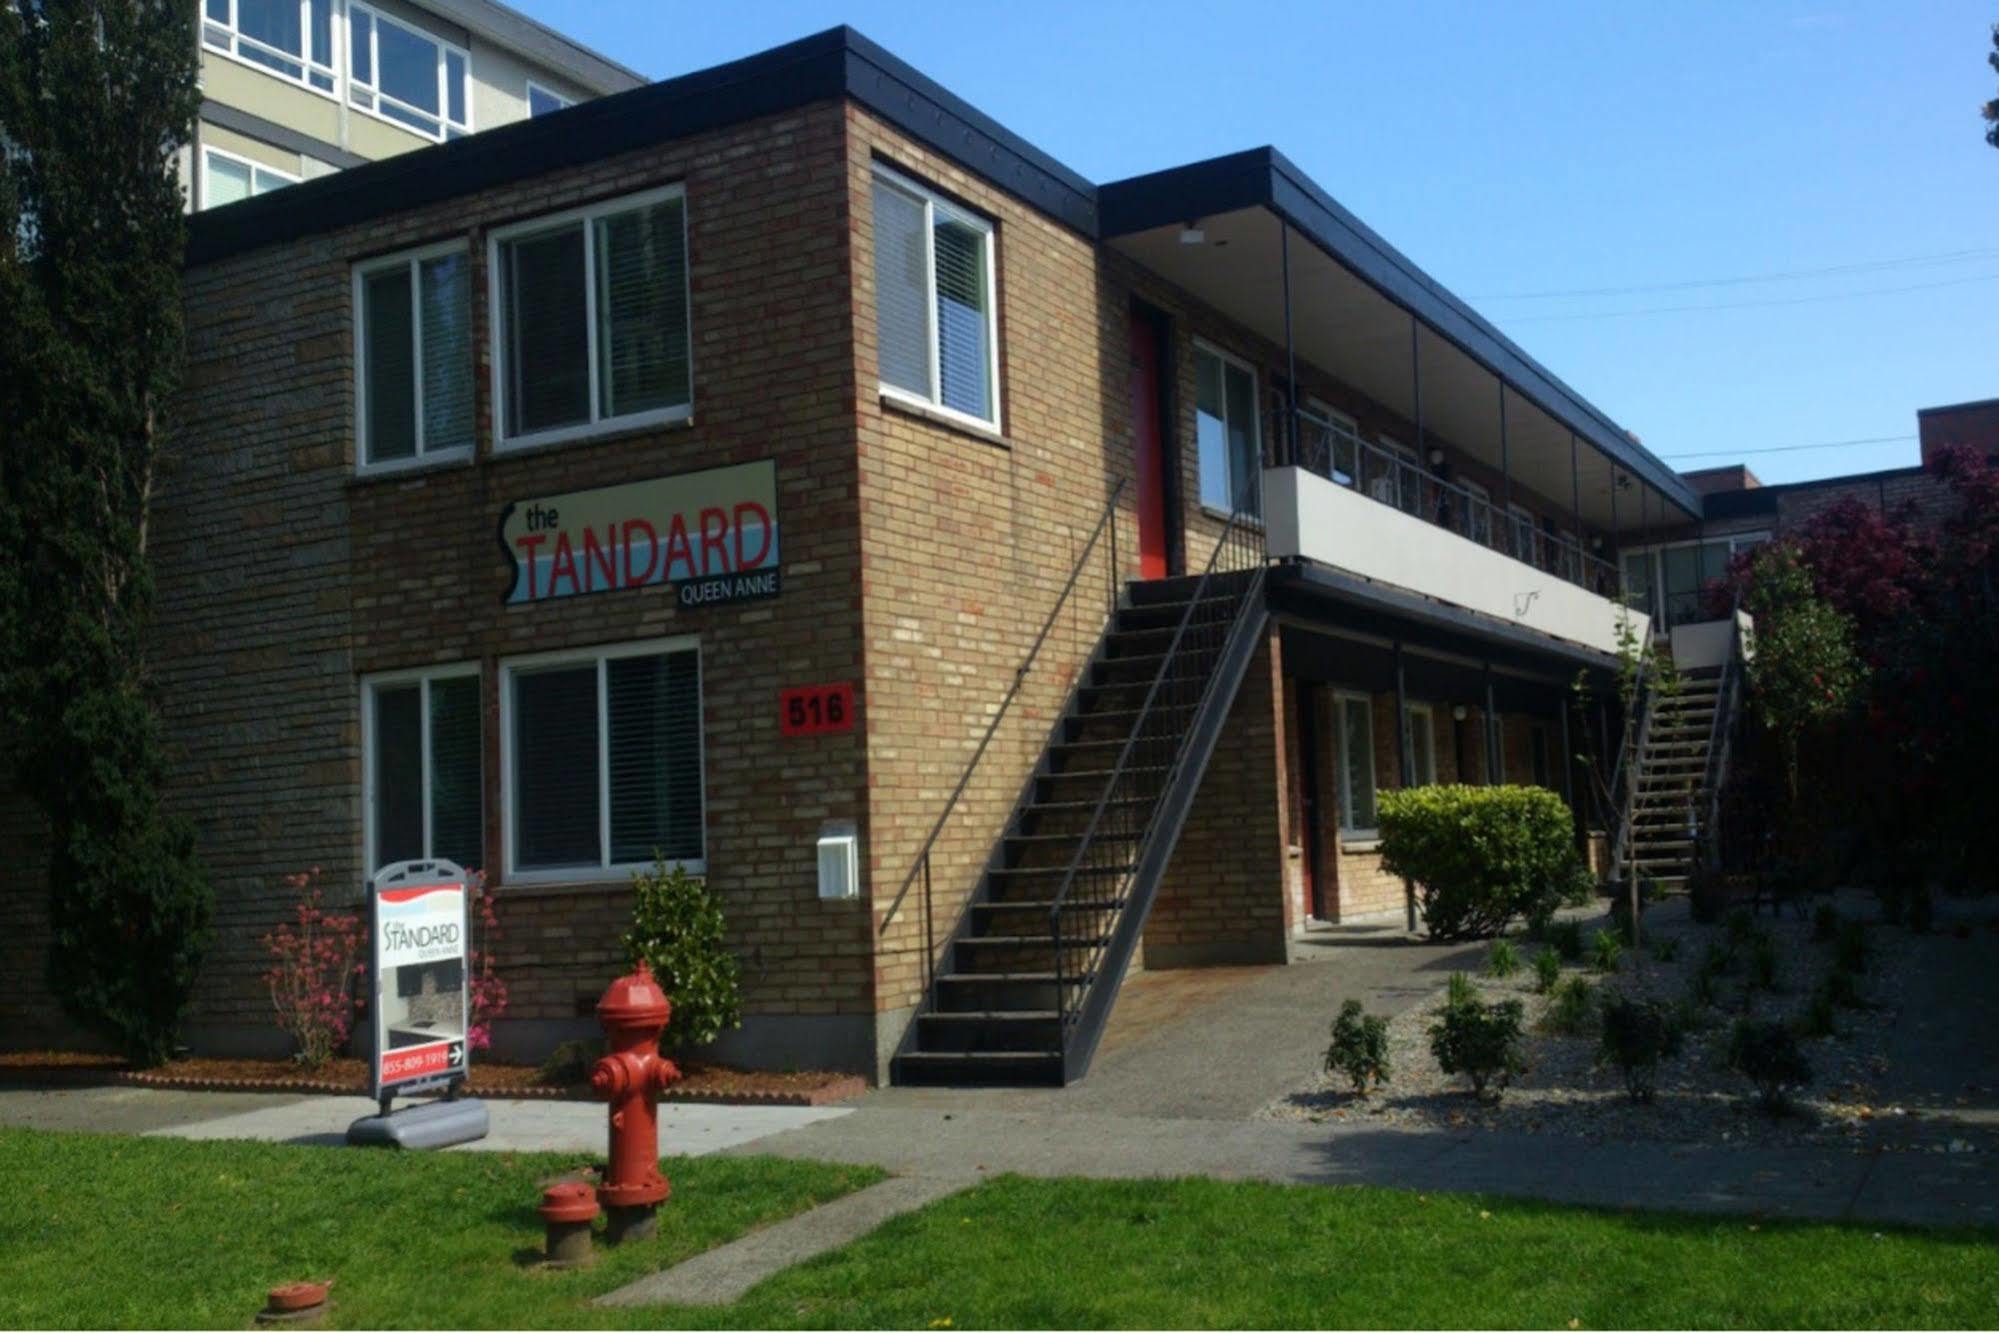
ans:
(1530, 148)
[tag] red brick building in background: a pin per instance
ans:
(538, 494)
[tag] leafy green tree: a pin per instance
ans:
(96, 100)
(1803, 672)
(1992, 107)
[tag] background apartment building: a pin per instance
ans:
(293, 89)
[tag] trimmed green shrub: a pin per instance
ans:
(1571, 1008)
(1360, 1047)
(1547, 970)
(1502, 960)
(1637, 1036)
(1480, 856)
(1567, 937)
(677, 928)
(1482, 1042)
(1768, 1055)
(1606, 950)
(571, 1061)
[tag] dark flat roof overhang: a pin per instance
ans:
(1265, 178)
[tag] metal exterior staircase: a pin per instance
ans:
(1025, 982)
(1668, 800)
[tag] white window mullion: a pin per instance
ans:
(930, 301)
(416, 352)
(590, 312)
(603, 762)
(423, 763)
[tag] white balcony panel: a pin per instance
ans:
(1308, 516)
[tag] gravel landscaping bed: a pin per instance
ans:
(1566, 1092)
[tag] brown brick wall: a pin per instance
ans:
(1223, 899)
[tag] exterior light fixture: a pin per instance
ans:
(1436, 458)
(1458, 712)
(1191, 234)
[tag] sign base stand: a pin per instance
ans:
(438, 1124)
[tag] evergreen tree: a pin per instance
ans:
(96, 100)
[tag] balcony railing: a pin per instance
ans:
(1333, 450)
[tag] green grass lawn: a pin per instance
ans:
(110, 1231)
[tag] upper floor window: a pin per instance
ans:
(934, 306)
(413, 357)
(290, 38)
(541, 101)
(405, 75)
(1226, 439)
(593, 319)
(226, 178)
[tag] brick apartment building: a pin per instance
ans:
(1119, 541)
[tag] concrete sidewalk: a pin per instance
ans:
(1792, 1182)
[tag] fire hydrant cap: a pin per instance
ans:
(571, 1201)
(634, 998)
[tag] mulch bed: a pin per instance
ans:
(699, 1082)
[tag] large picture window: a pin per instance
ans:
(1356, 737)
(420, 759)
(407, 76)
(937, 321)
(1226, 439)
(602, 755)
(593, 319)
(413, 357)
(290, 38)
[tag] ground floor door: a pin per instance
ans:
(1149, 438)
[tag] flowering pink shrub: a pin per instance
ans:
(316, 961)
(487, 991)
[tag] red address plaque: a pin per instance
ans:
(816, 710)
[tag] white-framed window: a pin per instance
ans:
(542, 101)
(227, 178)
(592, 319)
(601, 757)
(1422, 745)
(1478, 518)
(1668, 582)
(1228, 441)
(413, 395)
(407, 76)
(1356, 737)
(936, 312)
(421, 745)
(1525, 531)
(1330, 440)
(292, 39)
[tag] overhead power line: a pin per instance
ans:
(1791, 448)
(1790, 275)
(1747, 305)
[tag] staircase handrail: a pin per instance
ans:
(1624, 774)
(1721, 730)
(920, 865)
(1245, 527)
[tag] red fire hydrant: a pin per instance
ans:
(633, 1011)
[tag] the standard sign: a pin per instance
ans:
(712, 536)
(420, 948)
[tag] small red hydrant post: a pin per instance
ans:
(633, 1011)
